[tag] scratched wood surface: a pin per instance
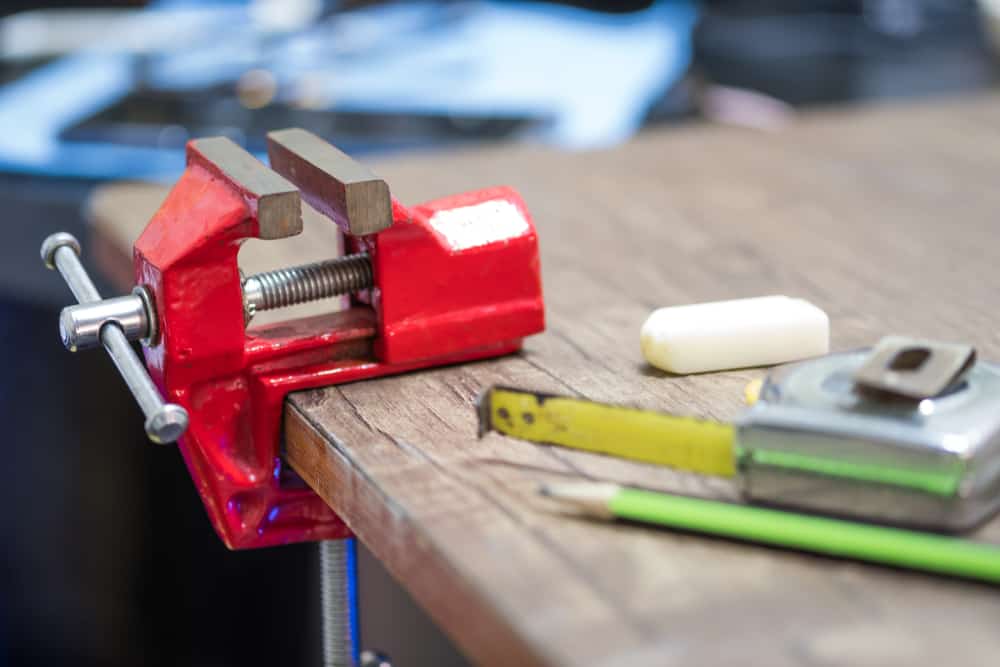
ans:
(887, 218)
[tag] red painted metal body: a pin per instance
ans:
(456, 279)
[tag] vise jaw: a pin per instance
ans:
(452, 280)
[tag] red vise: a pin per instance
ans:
(454, 280)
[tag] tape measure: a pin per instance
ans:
(651, 437)
(852, 434)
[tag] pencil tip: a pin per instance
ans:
(589, 497)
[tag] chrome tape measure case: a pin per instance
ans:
(852, 434)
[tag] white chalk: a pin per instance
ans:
(734, 334)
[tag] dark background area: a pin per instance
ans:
(108, 558)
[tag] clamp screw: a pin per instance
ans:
(336, 562)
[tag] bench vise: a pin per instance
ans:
(451, 280)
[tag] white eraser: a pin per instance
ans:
(734, 334)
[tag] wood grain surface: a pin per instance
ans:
(887, 218)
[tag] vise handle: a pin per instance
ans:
(165, 422)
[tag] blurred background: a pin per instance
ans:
(107, 557)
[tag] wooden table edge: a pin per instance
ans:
(465, 614)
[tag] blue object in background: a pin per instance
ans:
(564, 76)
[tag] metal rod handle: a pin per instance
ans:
(165, 422)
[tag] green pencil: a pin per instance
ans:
(868, 542)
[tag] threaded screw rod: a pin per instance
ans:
(309, 282)
(336, 563)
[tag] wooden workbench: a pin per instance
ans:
(889, 219)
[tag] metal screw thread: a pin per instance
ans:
(335, 563)
(309, 282)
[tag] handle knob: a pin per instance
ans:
(165, 422)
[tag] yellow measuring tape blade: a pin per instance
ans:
(641, 435)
